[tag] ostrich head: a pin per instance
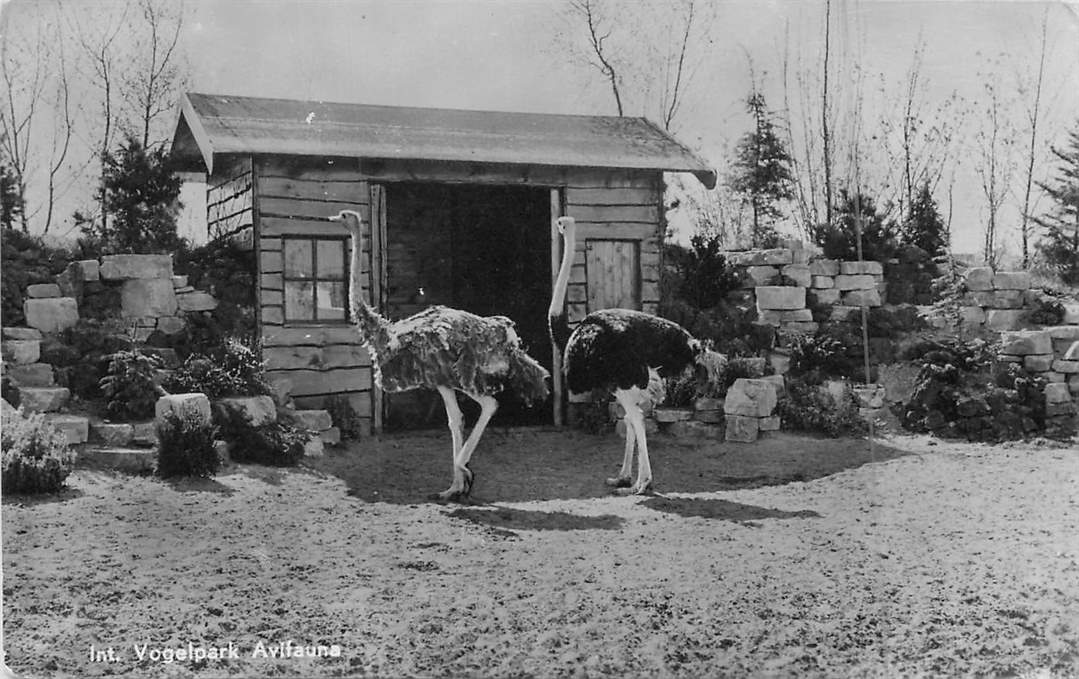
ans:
(564, 223)
(350, 219)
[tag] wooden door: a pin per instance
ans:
(614, 274)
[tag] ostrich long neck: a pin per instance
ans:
(374, 329)
(556, 314)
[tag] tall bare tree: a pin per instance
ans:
(1033, 110)
(24, 63)
(153, 76)
(62, 131)
(995, 164)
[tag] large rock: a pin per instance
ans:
(1057, 392)
(855, 268)
(818, 296)
(1067, 367)
(1011, 280)
(861, 298)
(780, 297)
(998, 299)
(855, 282)
(123, 267)
(43, 399)
(979, 278)
(1004, 319)
(75, 427)
(196, 301)
(51, 315)
(21, 352)
(1026, 342)
(1072, 354)
(1064, 332)
(112, 434)
(750, 397)
(311, 420)
(774, 257)
(258, 410)
(31, 375)
(1037, 363)
(742, 429)
(824, 267)
(1071, 313)
(196, 406)
(823, 282)
(43, 290)
(170, 325)
(143, 297)
(799, 274)
(971, 315)
(22, 333)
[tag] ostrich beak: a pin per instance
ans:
(337, 218)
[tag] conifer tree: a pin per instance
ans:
(761, 173)
(1060, 244)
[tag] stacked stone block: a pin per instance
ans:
(784, 283)
(1003, 300)
(1053, 354)
(749, 409)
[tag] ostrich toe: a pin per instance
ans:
(619, 481)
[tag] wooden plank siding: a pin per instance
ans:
(620, 211)
(229, 198)
(320, 359)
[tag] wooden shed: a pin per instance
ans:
(460, 205)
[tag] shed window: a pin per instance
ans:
(315, 280)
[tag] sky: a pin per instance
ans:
(501, 55)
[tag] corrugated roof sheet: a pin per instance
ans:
(209, 125)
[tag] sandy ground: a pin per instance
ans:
(791, 557)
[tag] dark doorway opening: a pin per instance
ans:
(483, 249)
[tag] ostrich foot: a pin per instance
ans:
(458, 494)
(639, 488)
(619, 481)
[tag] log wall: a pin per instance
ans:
(616, 211)
(229, 198)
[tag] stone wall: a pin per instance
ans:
(786, 284)
(141, 288)
(1003, 300)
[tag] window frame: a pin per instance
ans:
(315, 279)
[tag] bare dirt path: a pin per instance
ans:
(791, 557)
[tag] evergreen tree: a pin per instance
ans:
(141, 194)
(924, 226)
(11, 205)
(1060, 245)
(840, 241)
(761, 174)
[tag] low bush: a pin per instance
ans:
(1049, 311)
(80, 354)
(234, 369)
(807, 407)
(274, 443)
(186, 447)
(345, 417)
(36, 456)
(129, 385)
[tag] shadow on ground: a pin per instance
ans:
(709, 508)
(544, 463)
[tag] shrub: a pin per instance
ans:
(186, 447)
(681, 390)
(274, 443)
(1048, 312)
(26, 260)
(36, 456)
(234, 369)
(80, 355)
(817, 357)
(129, 385)
(345, 417)
(807, 407)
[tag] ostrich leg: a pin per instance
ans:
(625, 475)
(455, 422)
(644, 467)
(488, 406)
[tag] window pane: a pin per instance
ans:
(331, 301)
(299, 301)
(297, 258)
(331, 259)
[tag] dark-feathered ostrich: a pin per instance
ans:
(448, 350)
(625, 352)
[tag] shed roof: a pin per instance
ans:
(212, 125)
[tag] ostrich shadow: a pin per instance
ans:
(510, 518)
(712, 508)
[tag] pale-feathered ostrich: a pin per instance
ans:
(624, 352)
(445, 349)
